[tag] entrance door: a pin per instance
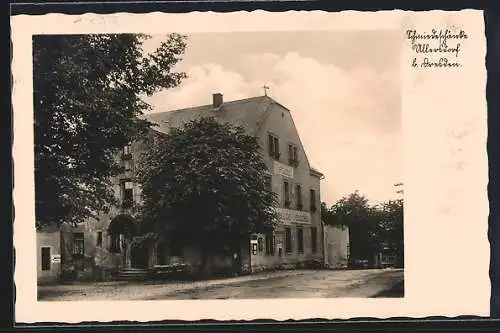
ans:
(236, 262)
(139, 257)
(161, 254)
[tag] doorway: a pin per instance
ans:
(139, 257)
(162, 253)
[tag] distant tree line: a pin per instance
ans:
(372, 228)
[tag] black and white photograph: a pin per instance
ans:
(268, 163)
(210, 166)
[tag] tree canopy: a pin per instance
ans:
(206, 180)
(87, 105)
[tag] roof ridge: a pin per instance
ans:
(192, 108)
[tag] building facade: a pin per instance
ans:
(336, 246)
(102, 246)
(49, 255)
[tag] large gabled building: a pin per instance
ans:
(99, 246)
(298, 237)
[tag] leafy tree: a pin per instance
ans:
(87, 101)
(326, 214)
(371, 228)
(392, 228)
(204, 182)
(355, 212)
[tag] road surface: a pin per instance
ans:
(278, 284)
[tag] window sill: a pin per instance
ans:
(276, 157)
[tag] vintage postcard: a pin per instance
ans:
(250, 165)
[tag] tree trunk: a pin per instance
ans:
(67, 265)
(206, 263)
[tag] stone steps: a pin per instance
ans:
(134, 274)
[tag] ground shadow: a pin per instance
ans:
(398, 290)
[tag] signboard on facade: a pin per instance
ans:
(254, 249)
(283, 170)
(289, 216)
(55, 258)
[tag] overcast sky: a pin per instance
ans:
(342, 89)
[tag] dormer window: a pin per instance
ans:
(293, 152)
(274, 146)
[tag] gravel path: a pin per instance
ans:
(295, 283)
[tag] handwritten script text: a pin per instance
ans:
(437, 48)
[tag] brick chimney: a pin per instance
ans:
(217, 100)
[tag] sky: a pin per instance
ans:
(342, 88)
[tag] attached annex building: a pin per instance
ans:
(99, 247)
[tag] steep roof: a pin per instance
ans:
(249, 113)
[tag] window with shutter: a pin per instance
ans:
(288, 240)
(314, 239)
(270, 145)
(127, 151)
(298, 197)
(99, 238)
(293, 158)
(78, 245)
(312, 195)
(300, 240)
(270, 242)
(286, 193)
(273, 146)
(128, 194)
(45, 258)
(260, 244)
